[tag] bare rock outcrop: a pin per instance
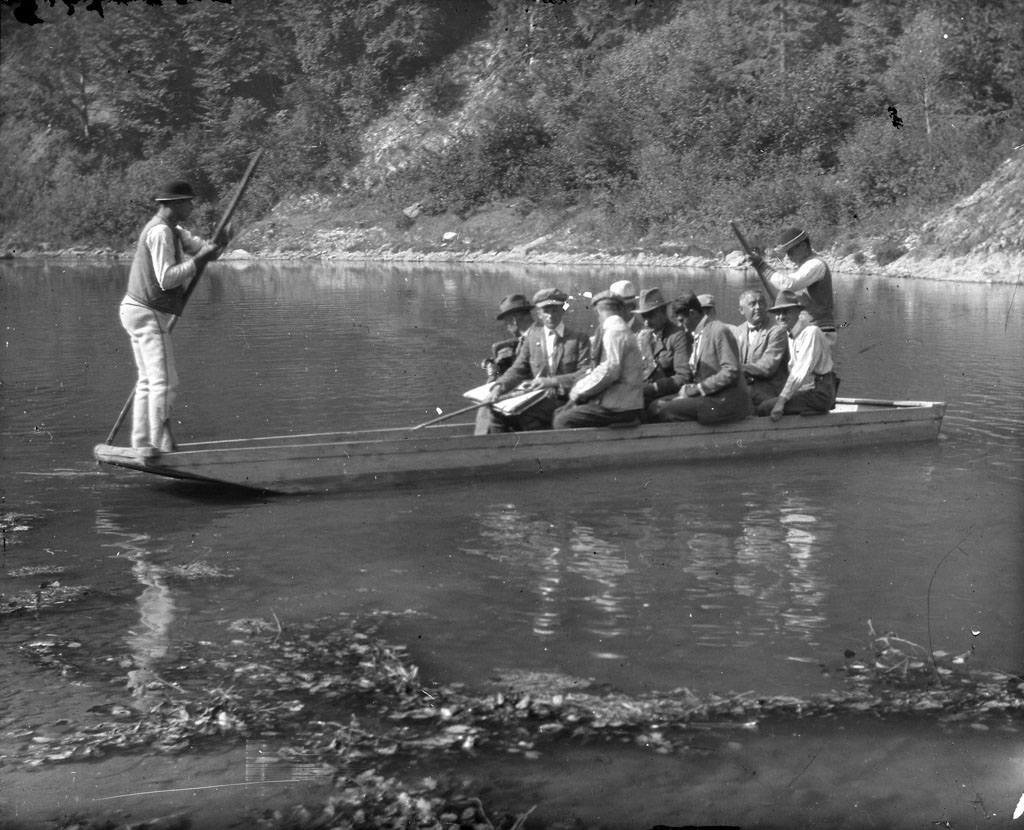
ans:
(981, 237)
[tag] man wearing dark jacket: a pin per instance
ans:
(664, 347)
(717, 391)
(551, 357)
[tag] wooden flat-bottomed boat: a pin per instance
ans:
(356, 461)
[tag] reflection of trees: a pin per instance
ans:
(151, 641)
(311, 281)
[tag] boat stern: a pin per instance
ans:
(131, 458)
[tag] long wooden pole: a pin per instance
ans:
(749, 251)
(449, 415)
(217, 234)
(222, 225)
(465, 409)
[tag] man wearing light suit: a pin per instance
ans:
(551, 357)
(613, 391)
(717, 392)
(764, 348)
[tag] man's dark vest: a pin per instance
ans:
(142, 283)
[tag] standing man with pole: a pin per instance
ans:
(157, 294)
(167, 259)
(811, 280)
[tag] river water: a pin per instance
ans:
(717, 576)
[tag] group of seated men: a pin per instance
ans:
(652, 360)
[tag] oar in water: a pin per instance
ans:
(749, 251)
(200, 267)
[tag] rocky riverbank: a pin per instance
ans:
(373, 244)
(998, 268)
(978, 239)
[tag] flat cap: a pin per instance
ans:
(550, 296)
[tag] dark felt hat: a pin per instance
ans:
(512, 304)
(650, 299)
(786, 299)
(550, 296)
(175, 191)
(790, 238)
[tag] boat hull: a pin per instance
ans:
(358, 461)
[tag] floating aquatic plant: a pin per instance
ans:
(341, 697)
(36, 570)
(195, 570)
(46, 596)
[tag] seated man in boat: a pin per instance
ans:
(664, 347)
(611, 392)
(764, 348)
(811, 385)
(515, 312)
(627, 292)
(552, 356)
(717, 391)
(707, 305)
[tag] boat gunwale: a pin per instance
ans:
(402, 440)
(384, 461)
(410, 433)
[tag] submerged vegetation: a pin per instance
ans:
(649, 122)
(344, 702)
(335, 700)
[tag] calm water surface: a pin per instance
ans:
(720, 576)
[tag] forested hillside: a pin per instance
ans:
(657, 120)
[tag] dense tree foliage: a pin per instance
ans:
(671, 116)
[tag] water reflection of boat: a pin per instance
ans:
(389, 457)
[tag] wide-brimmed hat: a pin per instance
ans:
(706, 300)
(790, 238)
(786, 299)
(175, 191)
(651, 299)
(550, 296)
(623, 289)
(512, 304)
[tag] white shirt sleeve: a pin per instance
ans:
(160, 241)
(809, 350)
(807, 274)
(191, 243)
